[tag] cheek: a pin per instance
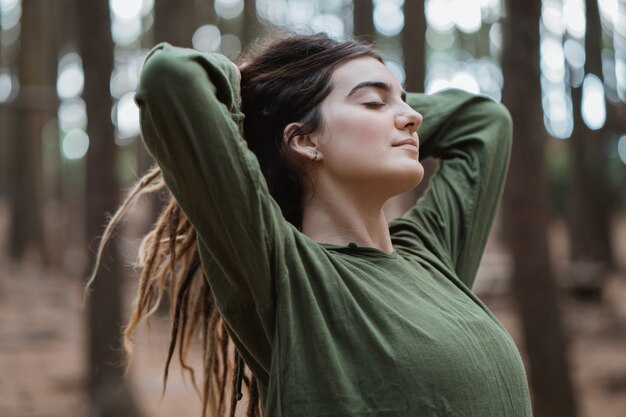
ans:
(358, 132)
(357, 147)
(353, 148)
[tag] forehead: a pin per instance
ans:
(359, 70)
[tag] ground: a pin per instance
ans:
(43, 333)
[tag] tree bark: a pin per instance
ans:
(414, 45)
(204, 13)
(4, 133)
(173, 22)
(250, 27)
(525, 216)
(363, 15)
(109, 395)
(53, 27)
(26, 228)
(589, 220)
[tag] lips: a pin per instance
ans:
(407, 141)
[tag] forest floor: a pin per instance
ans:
(43, 335)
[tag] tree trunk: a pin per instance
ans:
(173, 22)
(6, 126)
(204, 12)
(53, 26)
(109, 395)
(250, 28)
(414, 45)
(364, 19)
(525, 216)
(589, 220)
(4, 133)
(26, 231)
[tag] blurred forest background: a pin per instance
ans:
(555, 267)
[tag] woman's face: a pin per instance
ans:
(369, 134)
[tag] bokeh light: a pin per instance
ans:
(466, 15)
(491, 9)
(462, 71)
(609, 10)
(330, 16)
(228, 9)
(552, 60)
(608, 73)
(72, 114)
(574, 17)
(6, 85)
(557, 109)
(267, 11)
(439, 70)
(593, 108)
(388, 18)
(126, 9)
(6, 5)
(495, 39)
(71, 77)
(621, 148)
(299, 12)
(464, 80)
(490, 78)
(207, 38)
(620, 74)
(439, 40)
(396, 68)
(230, 46)
(334, 4)
(436, 84)
(10, 16)
(127, 116)
(146, 7)
(438, 15)
(574, 53)
(126, 31)
(75, 144)
(552, 16)
(121, 81)
(330, 24)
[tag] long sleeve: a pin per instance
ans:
(472, 136)
(191, 125)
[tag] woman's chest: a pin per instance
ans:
(394, 335)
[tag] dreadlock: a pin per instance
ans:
(169, 262)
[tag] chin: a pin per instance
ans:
(408, 178)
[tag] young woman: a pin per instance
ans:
(334, 311)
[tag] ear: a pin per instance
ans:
(305, 146)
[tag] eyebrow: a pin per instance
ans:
(374, 84)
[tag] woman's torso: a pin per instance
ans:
(362, 333)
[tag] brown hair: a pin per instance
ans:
(282, 82)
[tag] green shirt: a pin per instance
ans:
(334, 330)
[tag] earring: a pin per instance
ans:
(315, 157)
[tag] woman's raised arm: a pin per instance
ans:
(191, 125)
(472, 136)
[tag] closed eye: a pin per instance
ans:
(374, 104)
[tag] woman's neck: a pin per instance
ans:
(341, 218)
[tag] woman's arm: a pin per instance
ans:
(191, 124)
(472, 137)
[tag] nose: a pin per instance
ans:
(409, 119)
